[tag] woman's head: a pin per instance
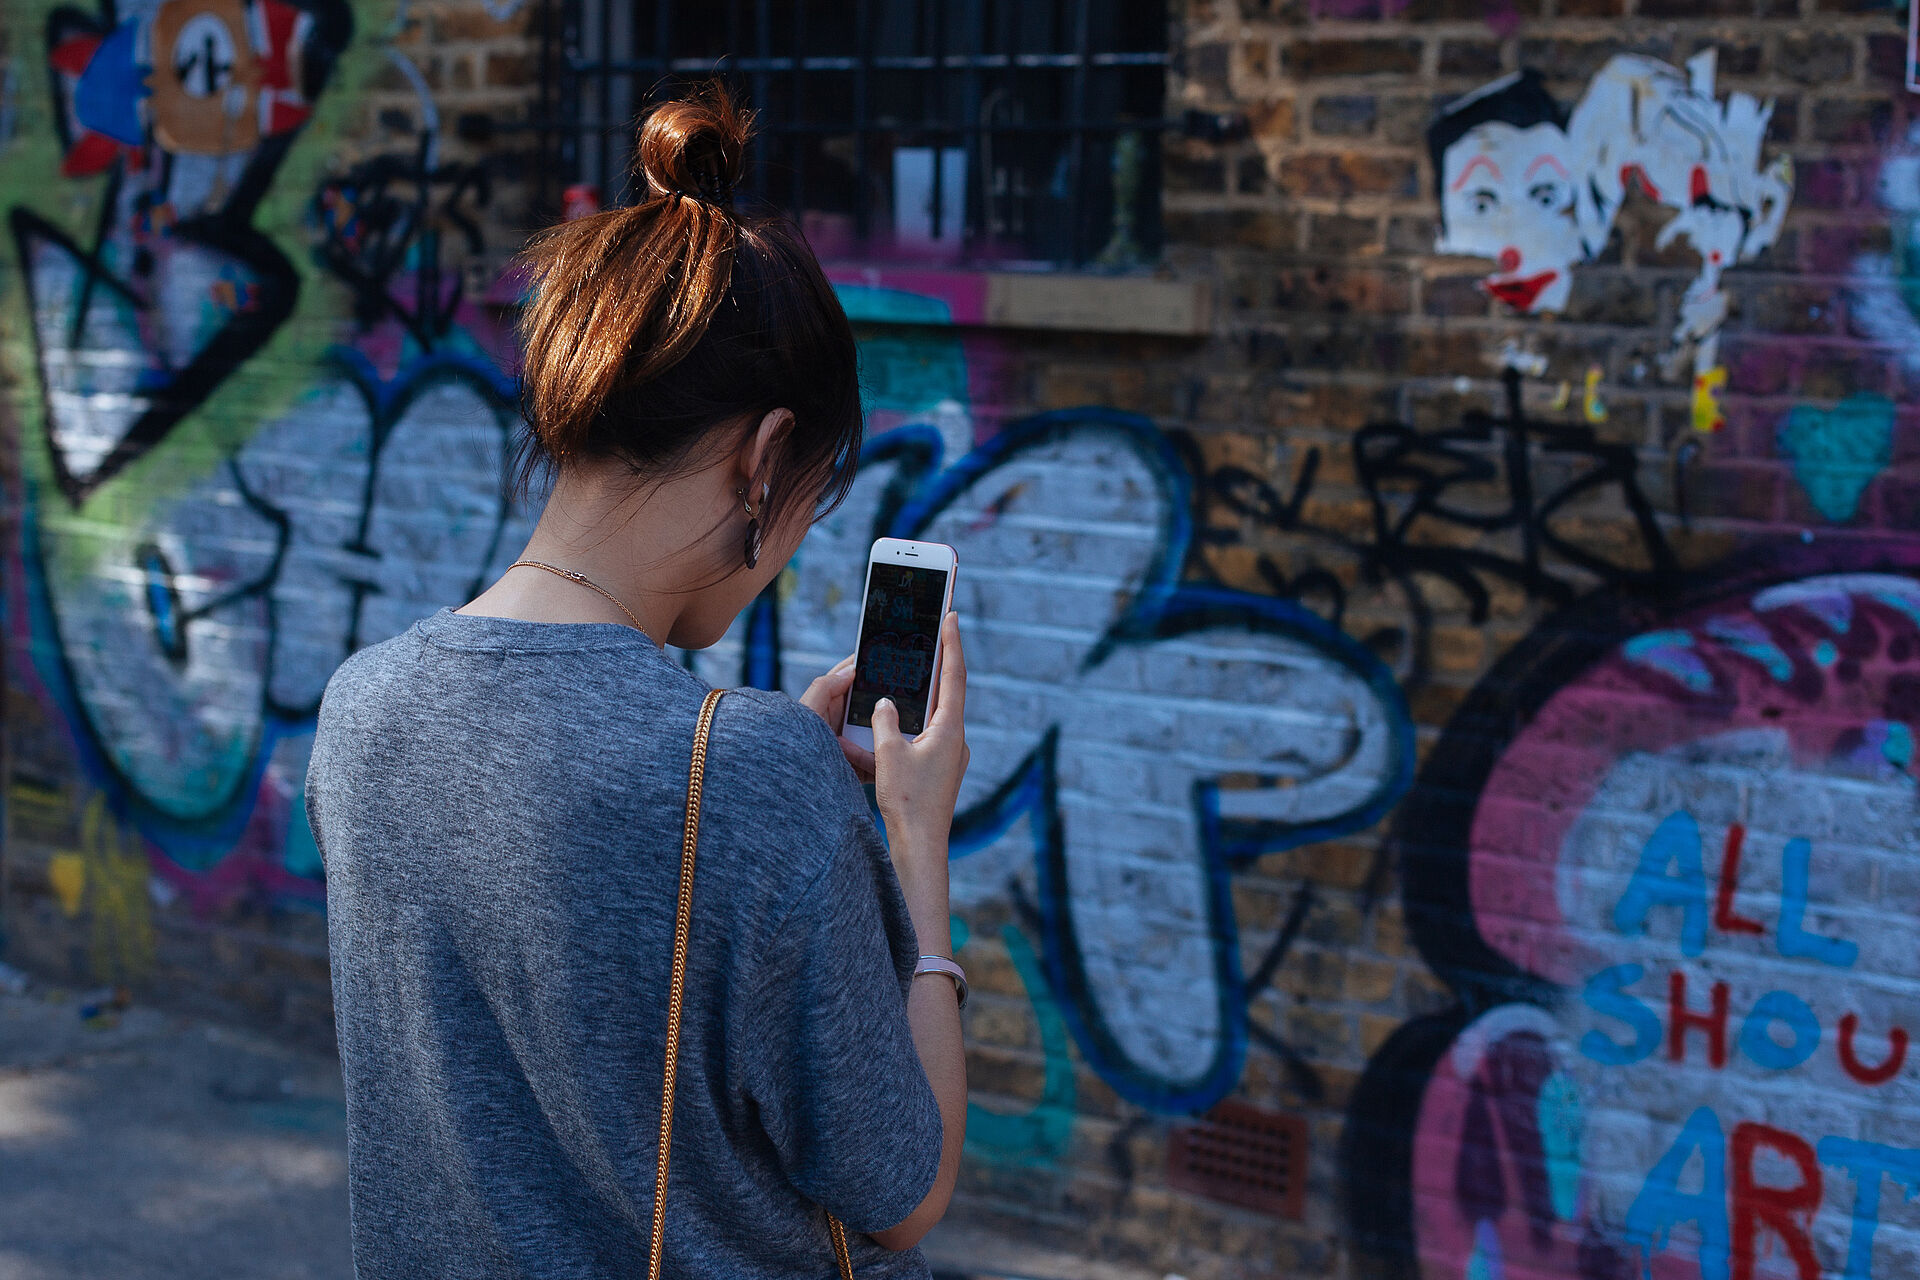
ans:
(676, 336)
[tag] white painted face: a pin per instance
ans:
(1508, 194)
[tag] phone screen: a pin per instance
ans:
(897, 636)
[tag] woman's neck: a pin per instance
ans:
(640, 546)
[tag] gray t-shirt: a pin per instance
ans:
(499, 804)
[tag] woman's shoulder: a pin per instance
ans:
(770, 729)
(778, 763)
(369, 675)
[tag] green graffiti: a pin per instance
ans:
(1041, 1134)
(262, 388)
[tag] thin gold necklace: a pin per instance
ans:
(586, 582)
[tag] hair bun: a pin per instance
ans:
(696, 146)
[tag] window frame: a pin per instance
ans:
(590, 74)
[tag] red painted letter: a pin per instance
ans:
(1896, 1053)
(1786, 1211)
(1680, 1018)
(1723, 917)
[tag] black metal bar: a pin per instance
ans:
(605, 48)
(982, 51)
(1077, 142)
(1007, 86)
(662, 43)
(662, 37)
(543, 108)
(762, 82)
(572, 101)
(797, 156)
(937, 90)
(863, 34)
(976, 23)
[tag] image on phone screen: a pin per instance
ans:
(897, 638)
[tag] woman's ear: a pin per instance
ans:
(759, 448)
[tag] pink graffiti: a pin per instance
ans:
(1566, 1141)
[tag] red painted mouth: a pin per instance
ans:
(1520, 294)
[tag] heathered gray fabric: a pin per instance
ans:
(499, 805)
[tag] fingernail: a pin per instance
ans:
(884, 702)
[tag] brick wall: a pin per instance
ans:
(1399, 710)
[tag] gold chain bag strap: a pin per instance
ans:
(682, 923)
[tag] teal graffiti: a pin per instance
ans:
(1837, 452)
(1562, 1123)
(917, 369)
(1040, 1135)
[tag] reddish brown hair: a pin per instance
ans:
(653, 327)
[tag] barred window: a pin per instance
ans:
(1006, 133)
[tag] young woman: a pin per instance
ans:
(499, 794)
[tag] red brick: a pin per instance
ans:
(1814, 58)
(517, 69)
(1887, 59)
(1332, 289)
(1771, 307)
(1470, 58)
(1695, 8)
(1456, 296)
(1463, 10)
(1340, 175)
(1340, 235)
(1852, 120)
(1576, 60)
(1318, 58)
(1345, 115)
(1740, 491)
(1828, 371)
(1250, 175)
(1185, 172)
(1273, 120)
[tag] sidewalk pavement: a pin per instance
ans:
(143, 1145)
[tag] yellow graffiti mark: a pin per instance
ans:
(1591, 404)
(1706, 399)
(67, 872)
(116, 873)
(1561, 398)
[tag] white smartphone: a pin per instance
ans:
(909, 590)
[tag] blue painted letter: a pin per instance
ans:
(1789, 1009)
(1675, 840)
(1661, 1203)
(1867, 1161)
(1794, 938)
(1605, 995)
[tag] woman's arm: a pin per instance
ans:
(934, 1013)
(918, 784)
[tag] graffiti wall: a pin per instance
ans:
(1443, 781)
(1657, 856)
(263, 416)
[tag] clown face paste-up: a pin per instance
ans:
(1644, 123)
(1522, 184)
(1508, 194)
(1509, 184)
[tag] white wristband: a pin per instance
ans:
(940, 964)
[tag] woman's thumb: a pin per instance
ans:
(886, 723)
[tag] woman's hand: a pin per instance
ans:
(918, 782)
(827, 697)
